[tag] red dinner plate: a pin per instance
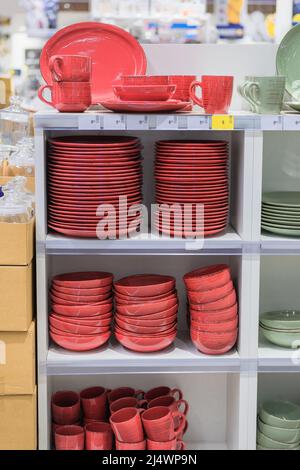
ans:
(113, 52)
(192, 181)
(192, 142)
(89, 233)
(94, 175)
(95, 142)
(92, 168)
(144, 106)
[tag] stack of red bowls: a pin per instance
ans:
(146, 312)
(212, 308)
(86, 171)
(191, 173)
(82, 310)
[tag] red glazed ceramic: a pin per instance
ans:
(80, 342)
(207, 277)
(83, 279)
(144, 106)
(174, 444)
(81, 299)
(69, 438)
(83, 292)
(98, 436)
(93, 402)
(160, 423)
(214, 343)
(65, 407)
(147, 308)
(171, 403)
(146, 330)
(215, 316)
(149, 321)
(131, 445)
(144, 79)
(210, 295)
(144, 92)
(79, 311)
(77, 329)
(227, 301)
(122, 392)
(99, 320)
(127, 425)
(127, 402)
(183, 83)
(145, 344)
(163, 391)
(70, 68)
(216, 93)
(68, 97)
(219, 327)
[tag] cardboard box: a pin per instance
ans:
(17, 362)
(17, 243)
(30, 184)
(16, 298)
(18, 422)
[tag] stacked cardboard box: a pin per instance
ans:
(18, 396)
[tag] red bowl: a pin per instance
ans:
(214, 316)
(59, 331)
(145, 344)
(137, 299)
(208, 277)
(148, 320)
(77, 329)
(144, 92)
(84, 280)
(219, 327)
(228, 301)
(147, 308)
(145, 301)
(81, 299)
(145, 330)
(210, 295)
(85, 292)
(214, 343)
(82, 311)
(80, 343)
(145, 79)
(145, 285)
(171, 330)
(86, 321)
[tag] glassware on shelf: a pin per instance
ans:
(14, 122)
(16, 204)
(21, 162)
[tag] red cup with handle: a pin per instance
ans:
(171, 403)
(70, 68)
(127, 402)
(94, 403)
(161, 424)
(122, 392)
(174, 444)
(216, 93)
(98, 436)
(127, 425)
(162, 391)
(65, 406)
(69, 437)
(131, 445)
(68, 97)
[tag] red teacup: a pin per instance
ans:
(69, 438)
(65, 406)
(93, 402)
(183, 83)
(160, 424)
(171, 403)
(161, 392)
(131, 445)
(174, 444)
(70, 68)
(216, 93)
(68, 97)
(98, 436)
(127, 425)
(127, 402)
(122, 392)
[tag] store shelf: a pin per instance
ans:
(276, 244)
(181, 357)
(272, 358)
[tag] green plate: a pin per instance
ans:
(265, 441)
(294, 105)
(288, 61)
(281, 414)
(280, 215)
(282, 198)
(289, 436)
(286, 319)
(284, 339)
(281, 230)
(281, 222)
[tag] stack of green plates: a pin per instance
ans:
(278, 426)
(281, 328)
(281, 212)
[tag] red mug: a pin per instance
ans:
(174, 444)
(68, 97)
(131, 445)
(70, 68)
(69, 438)
(65, 407)
(127, 425)
(127, 402)
(122, 392)
(93, 403)
(98, 436)
(171, 403)
(161, 392)
(183, 83)
(216, 93)
(161, 424)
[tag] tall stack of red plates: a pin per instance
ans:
(212, 309)
(82, 310)
(192, 172)
(146, 312)
(87, 171)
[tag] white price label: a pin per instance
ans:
(89, 122)
(138, 122)
(291, 123)
(114, 121)
(198, 122)
(271, 123)
(166, 122)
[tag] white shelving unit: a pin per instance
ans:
(222, 390)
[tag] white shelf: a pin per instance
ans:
(181, 357)
(272, 358)
(272, 243)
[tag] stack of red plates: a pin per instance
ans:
(82, 310)
(213, 309)
(86, 171)
(146, 312)
(192, 172)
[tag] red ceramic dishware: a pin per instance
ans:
(214, 343)
(69, 335)
(76, 311)
(68, 97)
(215, 316)
(145, 330)
(216, 93)
(70, 68)
(144, 285)
(147, 308)
(160, 423)
(122, 392)
(131, 445)
(104, 143)
(77, 329)
(93, 402)
(69, 438)
(82, 291)
(144, 106)
(145, 344)
(227, 301)
(88, 279)
(162, 315)
(144, 92)
(174, 444)
(97, 320)
(127, 402)
(207, 277)
(210, 295)
(127, 425)
(148, 320)
(163, 391)
(135, 300)
(144, 79)
(55, 426)
(65, 406)
(98, 436)
(81, 299)
(218, 327)
(156, 335)
(171, 403)
(183, 83)
(80, 342)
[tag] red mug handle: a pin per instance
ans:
(176, 390)
(180, 445)
(55, 67)
(142, 404)
(139, 392)
(41, 97)
(186, 406)
(193, 96)
(180, 428)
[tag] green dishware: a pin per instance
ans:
(281, 222)
(281, 414)
(258, 447)
(282, 198)
(288, 61)
(282, 338)
(280, 215)
(285, 319)
(265, 94)
(287, 436)
(288, 210)
(265, 441)
(241, 90)
(280, 230)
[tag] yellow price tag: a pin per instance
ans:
(221, 122)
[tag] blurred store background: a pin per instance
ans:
(25, 25)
